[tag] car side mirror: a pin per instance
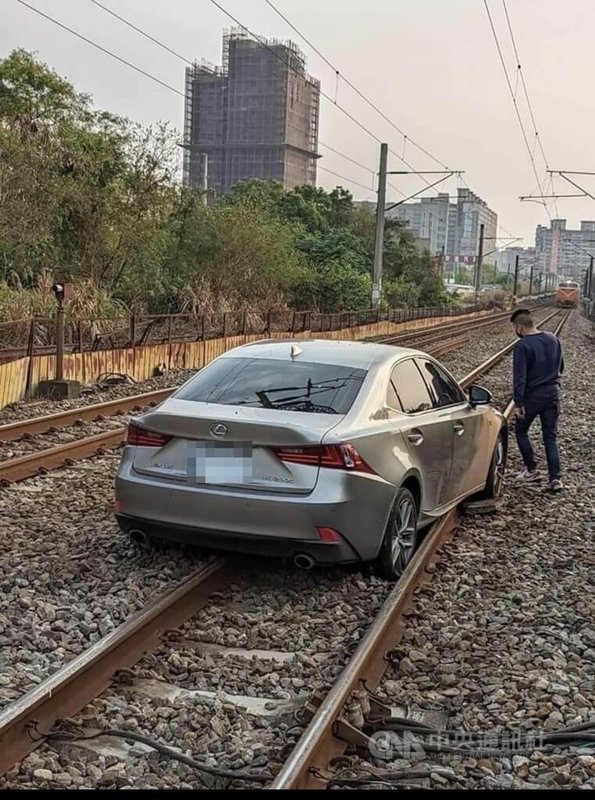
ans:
(478, 396)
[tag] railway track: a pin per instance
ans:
(30, 720)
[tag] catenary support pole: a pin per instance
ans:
(379, 233)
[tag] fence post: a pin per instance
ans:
(169, 341)
(82, 351)
(30, 348)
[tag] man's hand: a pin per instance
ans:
(519, 412)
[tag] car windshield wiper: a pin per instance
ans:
(307, 405)
(310, 390)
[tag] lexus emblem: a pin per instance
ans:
(218, 429)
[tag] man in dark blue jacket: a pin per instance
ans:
(537, 365)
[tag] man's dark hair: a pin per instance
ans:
(522, 316)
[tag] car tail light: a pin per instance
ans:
(117, 507)
(141, 437)
(330, 456)
(328, 535)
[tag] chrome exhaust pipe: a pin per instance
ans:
(138, 536)
(303, 561)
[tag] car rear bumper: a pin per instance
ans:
(356, 506)
(320, 552)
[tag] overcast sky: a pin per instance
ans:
(430, 65)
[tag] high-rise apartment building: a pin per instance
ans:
(427, 219)
(506, 260)
(469, 214)
(256, 116)
(564, 251)
(450, 228)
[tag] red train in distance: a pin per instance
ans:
(567, 294)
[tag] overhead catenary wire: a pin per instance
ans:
(343, 178)
(514, 102)
(528, 100)
(327, 97)
(103, 49)
(154, 78)
(341, 76)
(524, 85)
(191, 63)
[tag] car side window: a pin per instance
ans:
(392, 398)
(444, 390)
(410, 387)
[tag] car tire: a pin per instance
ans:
(400, 537)
(493, 487)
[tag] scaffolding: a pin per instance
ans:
(256, 116)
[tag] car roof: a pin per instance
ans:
(358, 355)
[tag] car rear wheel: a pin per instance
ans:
(494, 482)
(400, 537)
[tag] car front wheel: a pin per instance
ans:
(400, 537)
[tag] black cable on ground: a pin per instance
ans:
(165, 750)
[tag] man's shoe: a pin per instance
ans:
(528, 476)
(556, 485)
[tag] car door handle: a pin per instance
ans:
(459, 428)
(415, 437)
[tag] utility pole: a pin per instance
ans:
(590, 278)
(516, 277)
(540, 282)
(379, 233)
(204, 176)
(479, 260)
(531, 278)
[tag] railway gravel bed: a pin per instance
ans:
(504, 636)
(70, 577)
(307, 626)
(43, 441)
(67, 576)
(94, 393)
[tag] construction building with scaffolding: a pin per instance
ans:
(256, 116)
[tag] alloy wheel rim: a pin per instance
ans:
(499, 468)
(404, 533)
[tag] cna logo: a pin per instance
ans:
(388, 746)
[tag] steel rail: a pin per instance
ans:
(62, 419)
(23, 722)
(459, 326)
(84, 678)
(320, 743)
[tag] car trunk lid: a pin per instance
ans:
(213, 445)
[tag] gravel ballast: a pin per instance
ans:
(496, 622)
(504, 637)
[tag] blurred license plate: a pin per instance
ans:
(215, 462)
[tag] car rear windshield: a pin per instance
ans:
(275, 384)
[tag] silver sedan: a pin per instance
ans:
(324, 451)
